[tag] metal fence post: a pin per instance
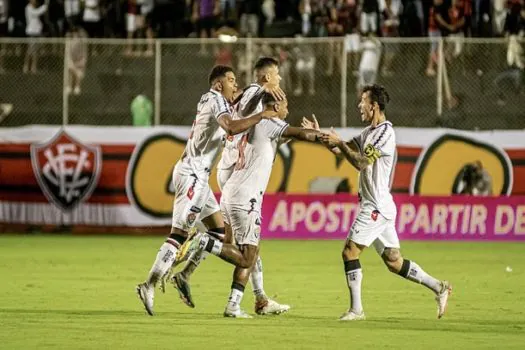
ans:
(249, 58)
(158, 77)
(65, 95)
(439, 80)
(344, 93)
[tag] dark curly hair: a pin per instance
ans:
(377, 93)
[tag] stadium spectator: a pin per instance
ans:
(369, 65)
(251, 11)
(369, 19)
(414, 18)
(390, 29)
(77, 58)
(34, 29)
(457, 19)
(92, 17)
(205, 14)
(474, 180)
(72, 11)
(482, 18)
(133, 21)
(304, 68)
(434, 35)
(268, 10)
(319, 18)
(146, 11)
(515, 20)
(500, 14)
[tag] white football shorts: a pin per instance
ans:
(245, 224)
(194, 199)
(372, 228)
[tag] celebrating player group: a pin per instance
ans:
(249, 126)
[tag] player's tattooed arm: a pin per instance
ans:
(348, 150)
(234, 127)
(302, 134)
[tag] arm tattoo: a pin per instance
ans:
(356, 159)
(309, 135)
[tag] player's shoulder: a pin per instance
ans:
(249, 91)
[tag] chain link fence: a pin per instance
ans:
(489, 93)
(115, 73)
(31, 81)
(455, 82)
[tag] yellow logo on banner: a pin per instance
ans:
(297, 164)
(438, 167)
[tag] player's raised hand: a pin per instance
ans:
(308, 124)
(330, 139)
(277, 93)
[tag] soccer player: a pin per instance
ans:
(194, 199)
(266, 71)
(372, 153)
(242, 197)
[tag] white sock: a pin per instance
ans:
(211, 245)
(163, 261)
(418, 275)
(256, 278)
(354, 277)
(236, 294)
(193, 262)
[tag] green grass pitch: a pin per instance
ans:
(72, 292)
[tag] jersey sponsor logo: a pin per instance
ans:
(67, 170)
(371, 153)
(191, 219)
(195, 209)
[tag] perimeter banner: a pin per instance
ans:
(121, 176)
(418, 218)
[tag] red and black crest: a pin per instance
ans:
(66, 169)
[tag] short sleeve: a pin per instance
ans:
(387, 145)
(219, 106)
(248, 95)
(274, 127)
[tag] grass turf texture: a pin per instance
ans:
(62, 292)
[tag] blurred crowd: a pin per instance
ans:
(268, 18)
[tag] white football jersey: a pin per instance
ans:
(206, 135)
(378, 145)
(230, 153)
(257, 151)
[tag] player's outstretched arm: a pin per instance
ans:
(234, 127)
(355, 158)
(302, 134)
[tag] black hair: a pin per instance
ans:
(265, 62)
(268, 99)
(378, 94)
(218, 72)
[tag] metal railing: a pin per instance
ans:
(457, 82)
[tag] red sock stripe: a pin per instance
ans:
(173, 242)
